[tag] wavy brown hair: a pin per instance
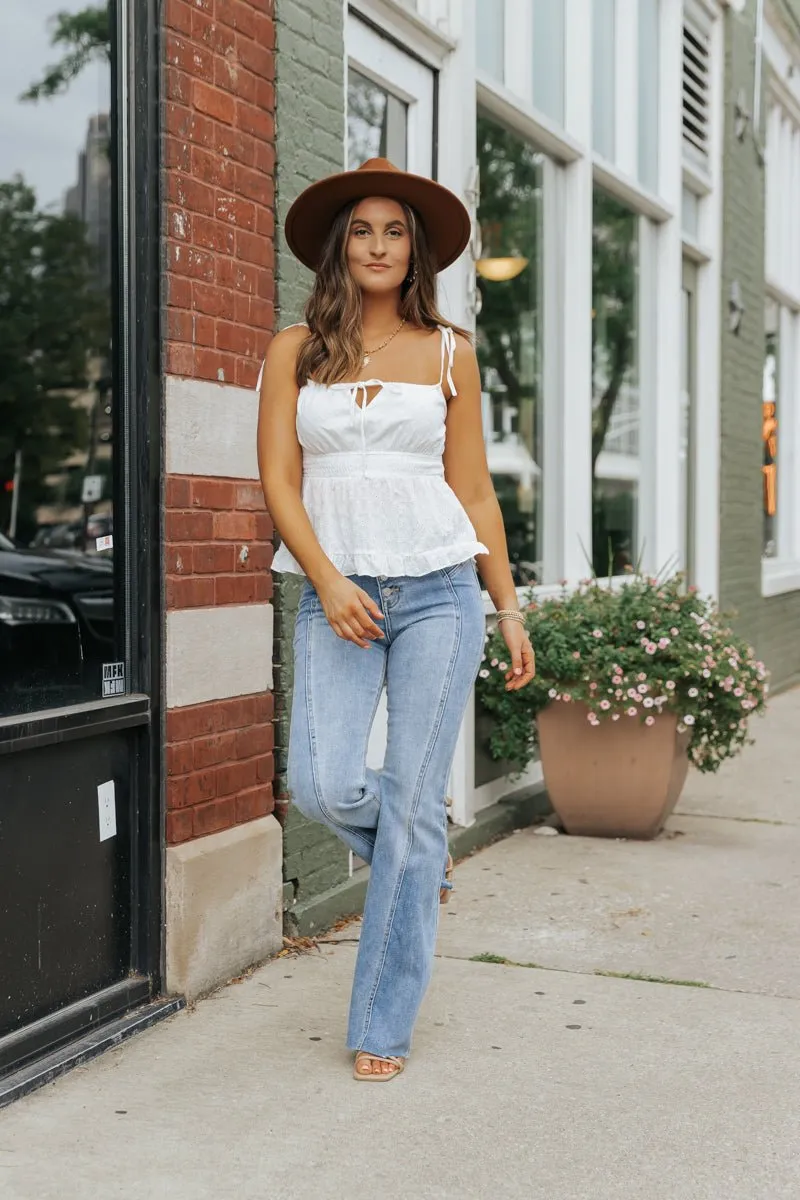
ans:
(334, 349)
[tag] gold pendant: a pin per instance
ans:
(366, 360)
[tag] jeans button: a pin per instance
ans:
(383, 577)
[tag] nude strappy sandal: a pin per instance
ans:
(380, 1076)
(444, 892)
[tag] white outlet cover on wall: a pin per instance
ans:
(107, 810)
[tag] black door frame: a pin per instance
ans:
(137, 495)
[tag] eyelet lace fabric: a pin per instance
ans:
(373, 478)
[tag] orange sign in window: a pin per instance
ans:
(769, 436)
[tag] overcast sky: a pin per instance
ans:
(41, 140)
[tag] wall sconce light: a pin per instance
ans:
(498, 270)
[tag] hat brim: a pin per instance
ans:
(446, 220)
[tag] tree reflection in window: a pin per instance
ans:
(615, 386)
(509, 336)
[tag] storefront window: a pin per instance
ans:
(615, 386)
(57, 611)
(490, 32)
(604, 76)
(509, 336)
(648, 92)
(548, 58)
(769, 429)
(376, 122)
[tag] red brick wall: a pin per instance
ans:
(218, 160)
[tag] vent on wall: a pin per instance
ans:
(696, 87)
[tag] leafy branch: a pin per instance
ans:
(86, 36)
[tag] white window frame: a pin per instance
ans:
(782, 282)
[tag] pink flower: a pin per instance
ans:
(674, 632)
(670, 685)
(641, 677)
(592, 687)
(640, 625)
(631, 712)
(502, 666)
(706, 673)
(597, 633)
(632, 692)
(693, 692)
(688, 720)
(649, 720)
(618, 693)
(663, 643)
(494, 662)
(649, 701)
(651, 648)
(643, 687)
(605, 704)
(617, 680)
(576, 654)
(566, 697)
(738, 691)
(615, 716)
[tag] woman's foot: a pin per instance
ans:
(372, 1067)
(445, 890)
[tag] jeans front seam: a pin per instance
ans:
(413, 812)
(313, 747)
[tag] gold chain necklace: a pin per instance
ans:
(369, 353)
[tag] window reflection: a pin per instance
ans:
(376, 122)
(509, 336)
(56, 393)
(615, 386)
(769, 429)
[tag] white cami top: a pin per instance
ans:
(373, 477)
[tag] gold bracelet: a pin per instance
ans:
(510, 614)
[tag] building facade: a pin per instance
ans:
(632, 168)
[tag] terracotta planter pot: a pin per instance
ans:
(617, 779)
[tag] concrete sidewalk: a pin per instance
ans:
(552, 1080)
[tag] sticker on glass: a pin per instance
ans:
(105, 543)
(113, 679)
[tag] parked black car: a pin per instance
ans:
(56, 627)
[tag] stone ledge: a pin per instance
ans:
(319, 913)
(223, 905)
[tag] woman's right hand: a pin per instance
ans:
(350, 611)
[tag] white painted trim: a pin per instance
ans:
(630, 191)
(526, 121)
(216, 653)
(406, 26)
(694, 251)
(569, 489)
(697, 181)
(210, 428)
(779, 577)
(707, 450)
(661, 382)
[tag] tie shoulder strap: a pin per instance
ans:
(448, 349)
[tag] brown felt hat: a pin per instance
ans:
(445, 218)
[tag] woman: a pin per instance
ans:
(372, 461)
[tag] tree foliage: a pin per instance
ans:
(53, 321)
(85, 36)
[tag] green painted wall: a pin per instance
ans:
(309, 144)
(771, 624)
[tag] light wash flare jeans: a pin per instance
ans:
(395, 818)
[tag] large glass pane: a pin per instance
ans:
(769, 427)
(604, 74)
(648, 92)
(509, 335)
(548, 58)
(615, 386)
(57, 626)
(377, 122)
(490, 32)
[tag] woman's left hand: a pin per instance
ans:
(523, 659)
